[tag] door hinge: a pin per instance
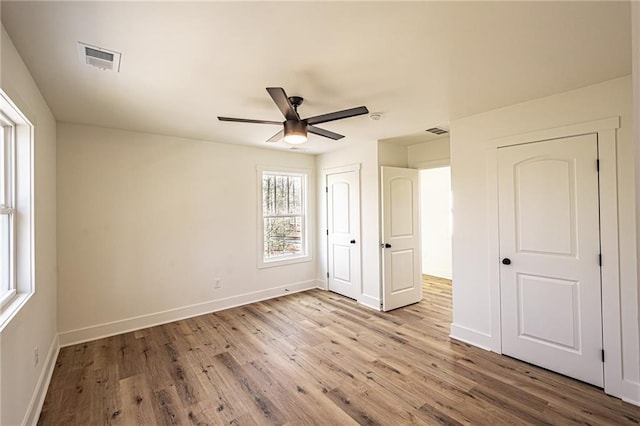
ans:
(327, 232)
(326, 189)
(327, 275)
(600, 259)
(603, 355)
(597, 165)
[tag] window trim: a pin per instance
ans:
(23, 206)
(306, 211)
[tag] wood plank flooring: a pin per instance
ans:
(314, 358)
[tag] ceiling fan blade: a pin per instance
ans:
(247, 120)
(277, 137)
(338, 115)
(326, 133)
(282, 101)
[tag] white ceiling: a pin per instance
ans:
(422, 64)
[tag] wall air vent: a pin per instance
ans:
(99, 57)
(438, 131)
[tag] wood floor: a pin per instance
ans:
(314, 358)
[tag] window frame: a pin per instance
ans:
(23, 218)
(305, 256)
(7, 194)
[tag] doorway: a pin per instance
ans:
(436, 221)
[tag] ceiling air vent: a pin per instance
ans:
(437, 131)
(99, 57)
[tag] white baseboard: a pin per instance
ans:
(37, 400)
(322, 284)
(100, 331)
(631, 392)
(369, 302)
(470, 336)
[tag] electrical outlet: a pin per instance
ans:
(36, 356)
(218, 283)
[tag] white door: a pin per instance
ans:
(401, 276)
(549, 246)
(343, 233)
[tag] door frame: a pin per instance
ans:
(605, 130)
(325, 177)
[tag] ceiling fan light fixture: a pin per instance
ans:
(295, 139)
(295, 132)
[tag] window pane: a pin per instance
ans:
(283, 215)
(5, 254)
(295, 195)
(281, 195)
(268, 195)
(282, 183)
(282, 236)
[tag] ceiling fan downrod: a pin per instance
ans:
(296, 101)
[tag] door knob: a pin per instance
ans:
(385, 245)
(353, 241)
(506, 261)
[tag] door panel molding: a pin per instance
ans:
(615, 384)
(567, 291)
(529, 239)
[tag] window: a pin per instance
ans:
(283, 219)
(16, 210)
(7, 211)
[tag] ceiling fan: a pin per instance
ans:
(294, 128)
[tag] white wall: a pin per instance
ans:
(429, 154)
(471, 164)
(22, 384)
(365, 154)
(392, 154)
(146, 223)
(435, 215)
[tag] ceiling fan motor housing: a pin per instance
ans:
(295, 131)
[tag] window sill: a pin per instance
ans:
(283, 262)
(11, 309)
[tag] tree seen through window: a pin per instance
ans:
(283, 214)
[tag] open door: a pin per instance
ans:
(401, 277)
